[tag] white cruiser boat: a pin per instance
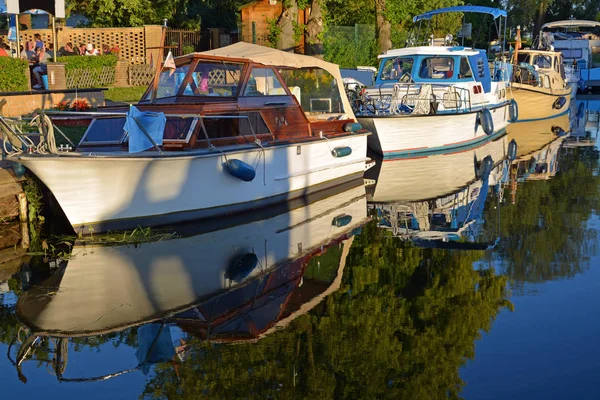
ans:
(436, 98)
(218, 132)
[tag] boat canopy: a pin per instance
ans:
(495, 12)
(273, 57)
(570, 23)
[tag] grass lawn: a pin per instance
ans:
(127, 94)
(75, 133)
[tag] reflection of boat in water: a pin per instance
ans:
(584, 124)
(534, 135)
(155, 278)
(541, 164)
(437, 199)
(264, 270)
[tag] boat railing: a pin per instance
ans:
(453, 98)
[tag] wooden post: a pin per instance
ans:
(22, 206)
(25, 241)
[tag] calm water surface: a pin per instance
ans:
(470, 275)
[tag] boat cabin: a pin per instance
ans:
(236, 95)
(539, 68)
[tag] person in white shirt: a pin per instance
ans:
(91, 51)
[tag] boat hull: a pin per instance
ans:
(111, 191)
(414, 135)
(535, 104)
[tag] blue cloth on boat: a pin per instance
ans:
(154, 124)
(154, 345)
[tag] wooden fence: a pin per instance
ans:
(90, 77)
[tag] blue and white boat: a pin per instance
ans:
(437, 96)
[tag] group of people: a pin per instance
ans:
(38, 54)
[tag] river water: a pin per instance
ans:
(468, 275)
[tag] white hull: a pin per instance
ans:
(106, 288)
(120, 191)
(401, 136)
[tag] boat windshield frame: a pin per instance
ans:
(189, 86)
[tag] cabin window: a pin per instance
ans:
(179, 128)
(523, 58)
(316, 90)
(436, 68)
(214, 79)
(263, 82)
(392, 69)
(542, 61)
(170, 81)
(465, 69)
(105, 130)
(242, 124)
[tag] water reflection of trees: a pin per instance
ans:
(545, 235)
(401, 325)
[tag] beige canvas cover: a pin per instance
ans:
(273, 57)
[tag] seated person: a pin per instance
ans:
(40, 68)
(68, 50)
(251, 88)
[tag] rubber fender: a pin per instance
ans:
(513, 111)
(559, 103)
(19, 169)
(341, 220)
(512, 150)
(242, 267)
(341, 151)
(239, 169)
(486, 167)
(485, 121)
(352, 127)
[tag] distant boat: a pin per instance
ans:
(539, 84)
(579, 44)
(436, 97)
(219, 132)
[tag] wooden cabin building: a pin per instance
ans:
(255, 28)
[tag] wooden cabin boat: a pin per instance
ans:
(539, 84)
(161, 279)
(436, 97)
(223, 131)
(437, 198)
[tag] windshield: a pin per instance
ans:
(392, 69)
(214, 79)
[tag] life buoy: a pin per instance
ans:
(485, 120)
(513, 111)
